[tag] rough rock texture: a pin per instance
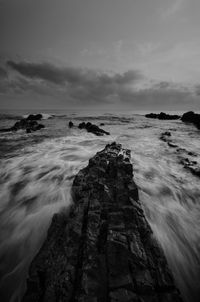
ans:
(28, 124)
(104, 249)
(92, 128)
(163, 116)
(191, 117)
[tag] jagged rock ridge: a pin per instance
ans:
(104, 249)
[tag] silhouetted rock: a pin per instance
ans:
(191, 117)
(29, 125)
(70, 124)
(102, 124)
(92, 128)
(34, 117)
(163, 116)
(103, 249)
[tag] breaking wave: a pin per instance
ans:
(37, 178)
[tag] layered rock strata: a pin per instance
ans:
(103, 249)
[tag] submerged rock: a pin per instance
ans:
(92, 128)
(163, 116)
(191, 117)
(191, 165)
(103, 249)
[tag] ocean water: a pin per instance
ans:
(36, 174)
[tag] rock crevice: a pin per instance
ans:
(103, 249)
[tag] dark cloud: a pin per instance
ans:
(56, 75)
(3, 73)
(90, 87)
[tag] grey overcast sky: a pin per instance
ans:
(122, 54)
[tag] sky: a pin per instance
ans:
(108, 54)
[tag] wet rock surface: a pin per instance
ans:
(92, 128)
(191, 117)
(103, 249)
(163, 116)
(28, 124)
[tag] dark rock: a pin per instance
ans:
(34, 117)
(92, 128)
(103, 249)
(71, 124)
(167, 133)
(5, 130)
(25, 124)
(192, 166)
(191, 117)
(165, 136)
(163, 116)
(172, 145)
(192, 153)
(102, 124)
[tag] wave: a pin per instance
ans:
(7, 116)
(45, 116)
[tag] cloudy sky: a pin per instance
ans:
(121, 54)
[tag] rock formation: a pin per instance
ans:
(71, 124)
(29, 124)
(35, 117)
(92, 128)
(163, 116)
(103, 249)
(191, 117)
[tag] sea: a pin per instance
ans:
(37, 171)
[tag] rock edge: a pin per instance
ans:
(103, 249)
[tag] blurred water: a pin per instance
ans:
(37, 171)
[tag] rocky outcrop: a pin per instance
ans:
(92, 128)
(71, 124)
(28, 124)
(191, 117)
(35, 117)
(163, 116)
(103, 249)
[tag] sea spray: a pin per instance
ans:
(36, 181)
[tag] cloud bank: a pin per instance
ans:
(76, 87)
